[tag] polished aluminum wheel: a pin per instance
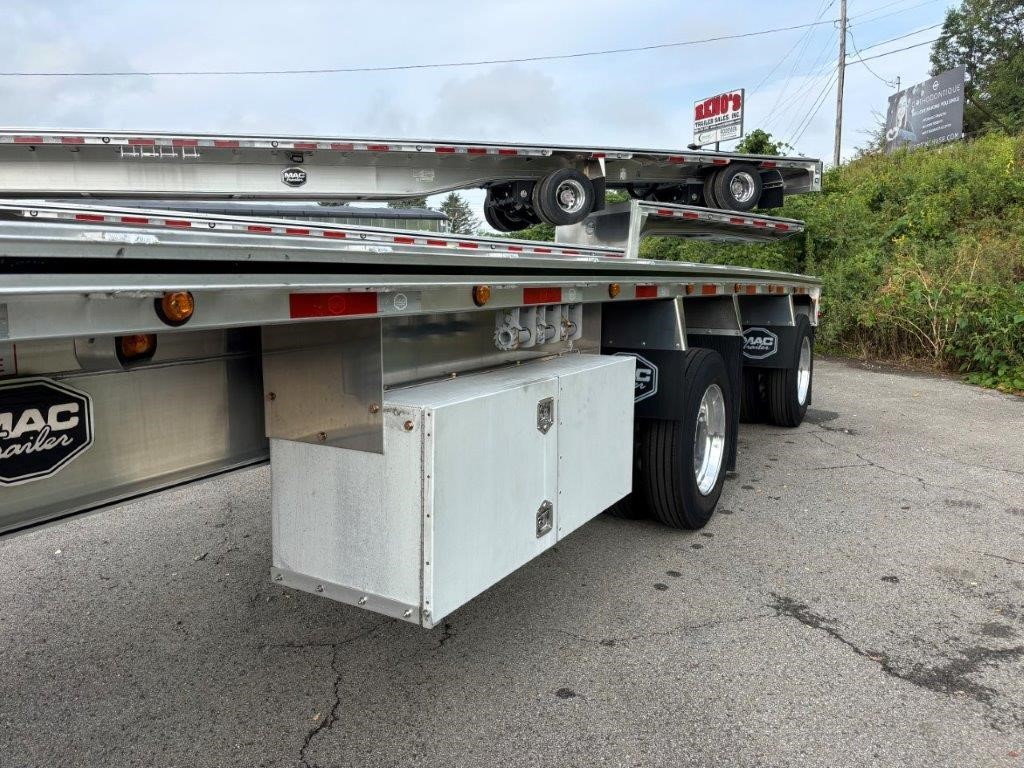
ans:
(709, 440)
(742, 187)
(570, 196)
(803, 372)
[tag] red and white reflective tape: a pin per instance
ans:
(298, 145)
(31, 139)
(354, 235)
(725, 218)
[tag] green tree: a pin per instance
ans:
(409, 202)
(759, 142)
(987, 38)
(461, 220)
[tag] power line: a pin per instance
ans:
(820, 71)
(895, 50)
(812, 115)
(824, 9)
(860, 58)
(900, 37)
(815, 71)
(398, 67)
(891, 13)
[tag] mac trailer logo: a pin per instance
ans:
(294, 177)
(43, 426)
(759, 343)
(646, 382)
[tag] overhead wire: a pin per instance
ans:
(821, 100)
(821, 12)
(401, 67)
(890, 83)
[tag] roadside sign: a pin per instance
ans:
(718, 118)
(931, 112)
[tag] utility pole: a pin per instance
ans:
(841, 81)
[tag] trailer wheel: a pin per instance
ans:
(737, 187)
(633, 506)
(684, 460)
(709, 192)
(789, 389)
(754, 397)
(564, 197)
(502, 221)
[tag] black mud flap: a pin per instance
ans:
(770, 346)
(658, 389)
(731, 350)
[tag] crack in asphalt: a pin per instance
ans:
(1006, 559)
(326, 723)
(925, 484)
(446, 635)
(611, 641)
(951, 678)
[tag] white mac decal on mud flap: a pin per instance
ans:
(759, 343)
(43, 427)
(646, 383)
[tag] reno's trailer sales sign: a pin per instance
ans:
(718, 118)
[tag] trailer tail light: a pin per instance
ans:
(134, 348)
(481, 294)
(176, 307)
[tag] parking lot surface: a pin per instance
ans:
(857, 601)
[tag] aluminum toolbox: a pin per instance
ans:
(480, 474)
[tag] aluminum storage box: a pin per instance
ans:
(479, 474)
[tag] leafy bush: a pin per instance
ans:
(921, 255)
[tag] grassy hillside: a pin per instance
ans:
(922, 256)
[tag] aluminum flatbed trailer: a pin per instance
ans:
(525, 183)
(436, 409)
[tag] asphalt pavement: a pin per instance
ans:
(857, 601)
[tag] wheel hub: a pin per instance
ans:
(570, 196)
(709, 441)
(803, 372)
(741, 187)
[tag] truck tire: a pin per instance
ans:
(683, 461)
(564, 197)
(633, 506)
(754, 397)
(709, 192)
(737, 187)
(501, 221)
(789, 389)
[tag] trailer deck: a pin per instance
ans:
(413, 391)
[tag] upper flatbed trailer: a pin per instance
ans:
(437, 409)
(525, 183)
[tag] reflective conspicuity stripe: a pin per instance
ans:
(373, 237)
(542, 295)
(724, 217)
(302, 305)
(299, 144)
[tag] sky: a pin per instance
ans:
(637, 99)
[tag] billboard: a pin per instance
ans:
(931, 112)
(718, 118)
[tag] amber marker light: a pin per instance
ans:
(139, 346)
(614, 289)
(176, 307)
(481, 294)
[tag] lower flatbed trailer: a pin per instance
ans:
(436, 409)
